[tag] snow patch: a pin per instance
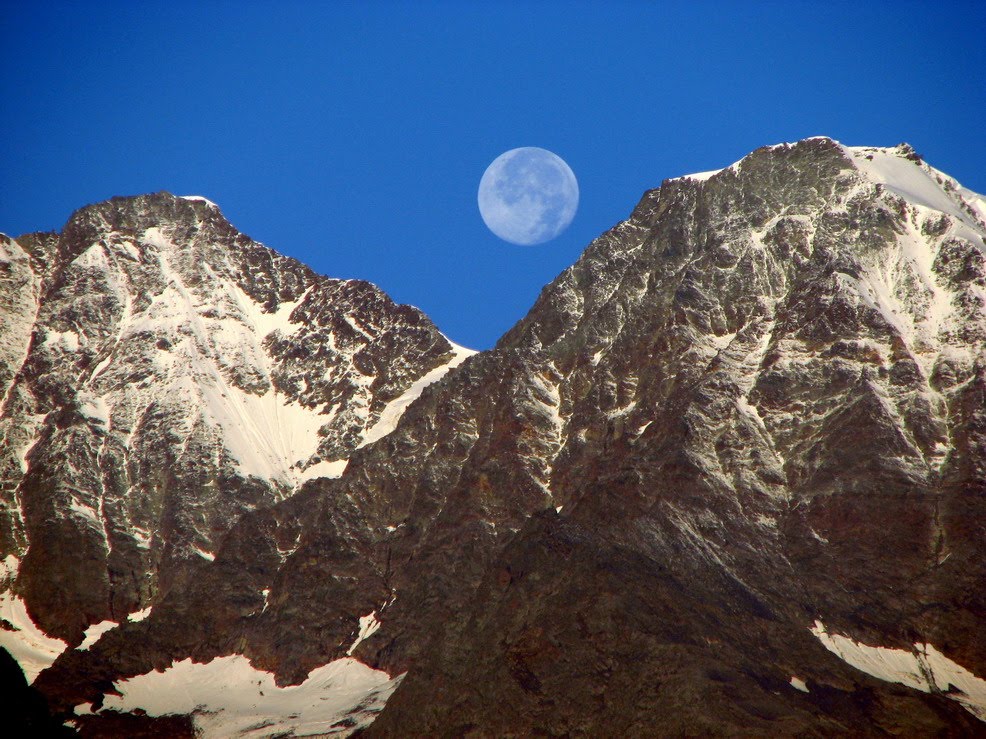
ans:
(204, 554)
(923, 668)
(700, 176)
(798, 684)
(142, 537)
(130, 249)
(915, 182)
(228, 697)
(720, 342)
(156, 237)
(744, 406)
(96, 410)
(94, 633)
(139, 615)
(323, 469)
(267, 434)
(85, 511)
(265, 323)
(100, 366)
(368, 626)
(200, 199)
(65, 340)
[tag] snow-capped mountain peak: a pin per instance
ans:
(174, 374)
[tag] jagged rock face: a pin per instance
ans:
(162, 375)
(401, 533)
(756, 404)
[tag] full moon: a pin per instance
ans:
(528, 196)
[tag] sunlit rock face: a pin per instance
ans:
(755, 406)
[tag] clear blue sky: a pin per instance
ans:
(353, 137)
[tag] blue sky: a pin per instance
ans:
(353, 136)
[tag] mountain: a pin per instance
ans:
(162, 375)
(727, 476)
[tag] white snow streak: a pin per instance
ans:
(323, 469)
(204, 554)
(923, 668)
(200, 199)
(94, 633)
(395, 409)
(368, 626)
(139, 615)
(700, 176)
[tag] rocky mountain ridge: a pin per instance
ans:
(727, 476)
(163, 375)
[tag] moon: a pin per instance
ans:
(528, 196)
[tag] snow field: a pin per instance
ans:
(923, 668)
(229, 698)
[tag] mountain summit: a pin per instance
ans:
(727, 476)
(162, 375)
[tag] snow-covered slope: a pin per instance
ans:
(902, 171)
(922, 667)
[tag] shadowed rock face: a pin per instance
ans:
(757, 403)
(23, 710)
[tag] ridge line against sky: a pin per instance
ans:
(353, 136)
